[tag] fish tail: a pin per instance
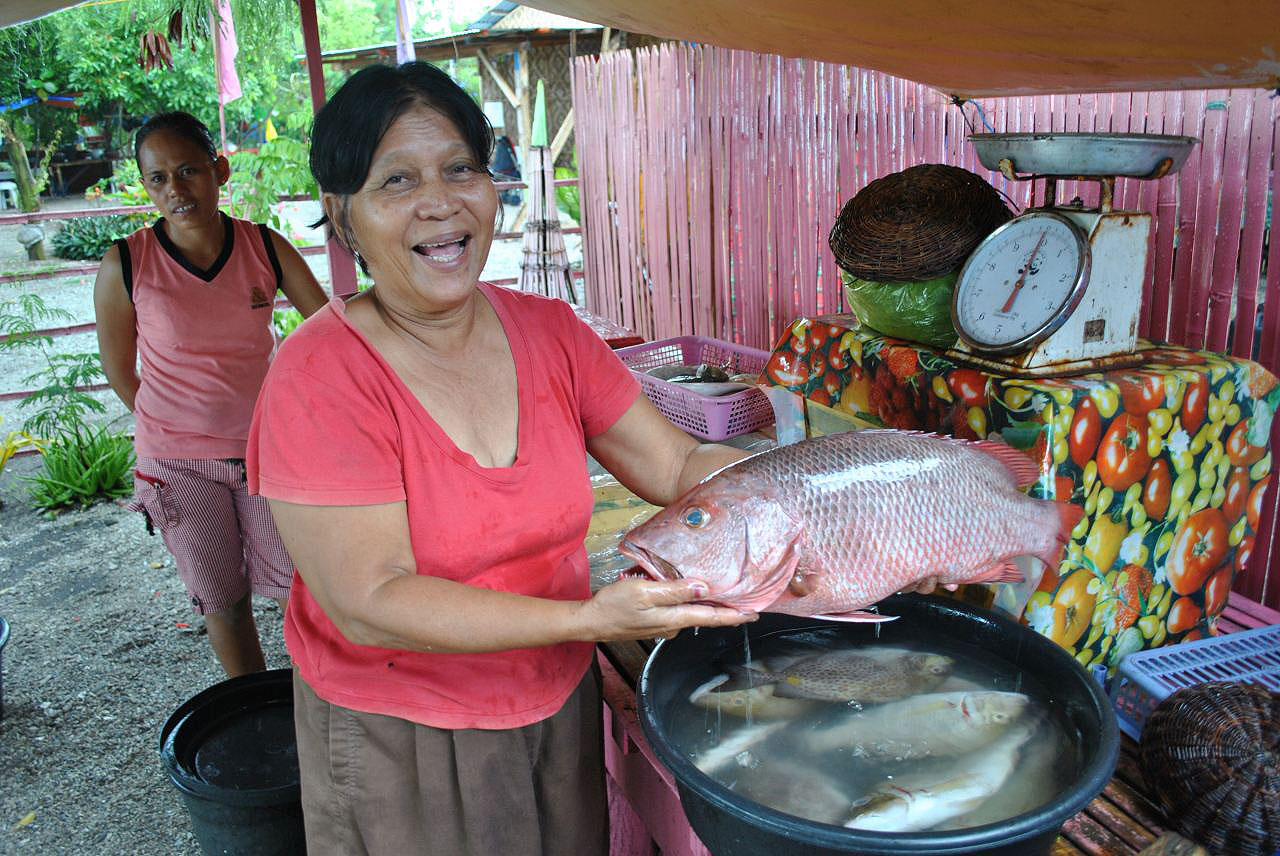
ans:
(1069, 517)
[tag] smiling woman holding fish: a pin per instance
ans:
(423, 447)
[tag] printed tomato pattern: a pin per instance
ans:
(1169, 460)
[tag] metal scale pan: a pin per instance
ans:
(1082, 155)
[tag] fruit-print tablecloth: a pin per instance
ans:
(1170, 461)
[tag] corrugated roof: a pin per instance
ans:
(493, 16)
(513, 16)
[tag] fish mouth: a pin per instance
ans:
(654, 566)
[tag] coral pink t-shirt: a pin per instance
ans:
(335, 425)
(204, 340)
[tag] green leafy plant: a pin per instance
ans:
(286, 321)
(87, 238)
(567, 197)
(21, 317)
(124, 187)
(83, 464)
(57, 402)
(279, 168)
(80, 462)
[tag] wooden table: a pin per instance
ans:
(83, 173)
(646, 815)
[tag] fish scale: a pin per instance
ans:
(833, 524)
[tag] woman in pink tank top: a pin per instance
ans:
(184, 330)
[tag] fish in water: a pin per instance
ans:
(792, 788)
(831, 525)
(941, 790)
(1039, 772)
(923, 726)
(738, 747)
(849, 676)
(751, 702)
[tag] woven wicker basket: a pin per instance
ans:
(915, 224)
(1211, 752)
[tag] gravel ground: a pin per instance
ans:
(103, 648)
(103, 645)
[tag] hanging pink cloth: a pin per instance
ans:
(228, 80)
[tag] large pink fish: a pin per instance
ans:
(829, 526)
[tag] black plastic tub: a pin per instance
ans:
(730, 825)
(232, 754)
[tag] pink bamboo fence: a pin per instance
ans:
(710, 179)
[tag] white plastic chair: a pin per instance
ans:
(8, 195)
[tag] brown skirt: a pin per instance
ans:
(376, 785)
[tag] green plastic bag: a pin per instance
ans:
(914, 311)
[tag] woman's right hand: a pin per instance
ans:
(634, 608)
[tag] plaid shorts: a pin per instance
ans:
(221, 538)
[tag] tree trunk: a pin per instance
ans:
(28, 194)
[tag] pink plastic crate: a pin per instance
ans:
(701, 415)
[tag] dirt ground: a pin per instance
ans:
(103, 645)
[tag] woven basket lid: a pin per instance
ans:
(1211, 754)
(915, 224)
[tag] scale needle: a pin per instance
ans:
(1022, 277)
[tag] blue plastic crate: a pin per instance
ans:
(1147, 678)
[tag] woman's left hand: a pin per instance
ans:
(646, 609)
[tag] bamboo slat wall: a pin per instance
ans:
(710, 179)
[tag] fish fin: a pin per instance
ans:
(1069, 516)
(774, 567)
(1001, 572)
(754, 677)
(1025, 471)
(858, 616)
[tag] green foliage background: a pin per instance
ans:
(93, 52)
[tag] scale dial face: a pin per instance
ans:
(1021, 283)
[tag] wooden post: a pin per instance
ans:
(526, 106)
(562, 135)
(501, 82)
(342, 265)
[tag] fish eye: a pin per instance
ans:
(696, 518)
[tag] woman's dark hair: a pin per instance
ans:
(350, 126)
(183, 124)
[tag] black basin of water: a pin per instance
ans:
(731, 825)
(231, 752)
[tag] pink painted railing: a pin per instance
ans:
(710, 179)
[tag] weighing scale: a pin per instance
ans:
(1058, 289)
